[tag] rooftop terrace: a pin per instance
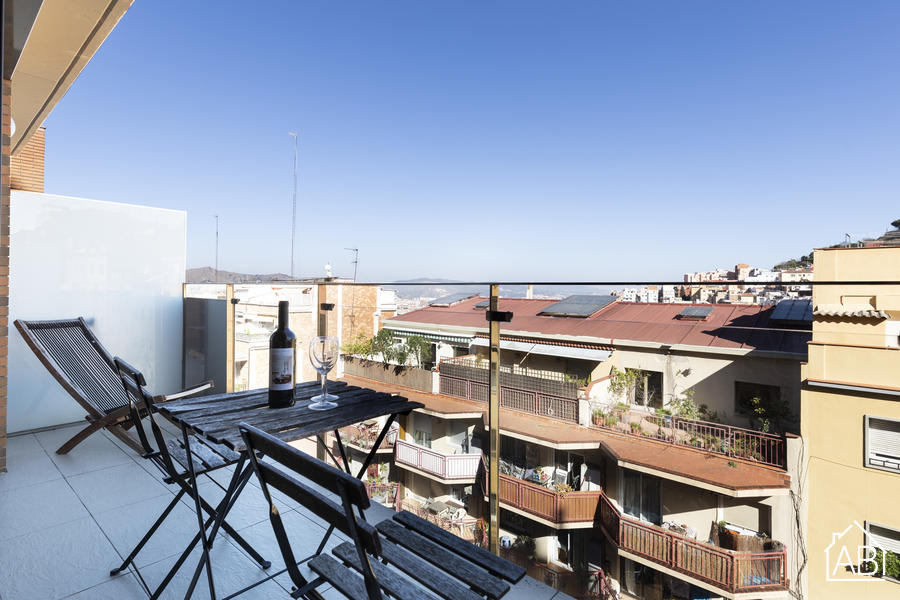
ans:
(66, 520)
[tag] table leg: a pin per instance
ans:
(343, 452)
(374, 450)
(321, 440)
(195, 492)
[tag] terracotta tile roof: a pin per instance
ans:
(688, 463)
(732, 326)
(448, 405)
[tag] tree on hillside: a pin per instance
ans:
(896, 224)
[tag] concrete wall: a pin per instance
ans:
(120, 266)
(688, 505)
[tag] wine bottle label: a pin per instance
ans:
(281, 368)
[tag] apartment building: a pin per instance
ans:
(239, 318)
(851, 419)
(601, 474)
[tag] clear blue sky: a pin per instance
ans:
(505, 140)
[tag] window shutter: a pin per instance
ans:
(884, 443)
(884, 538)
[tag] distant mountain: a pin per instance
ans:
(436, 288)
(424, 287)
(208, 275)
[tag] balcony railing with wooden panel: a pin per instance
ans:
(735, 442)
(556, 507)
(449, 467)
(364, 437)
(734, 572)
(539, 392)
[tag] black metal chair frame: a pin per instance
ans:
(350, 490)
(405, 557)
(190, 450)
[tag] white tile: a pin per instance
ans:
(51, 439)
(232, 570)
(251, 507)
(28, 509)
(23, 444)
(126, 525)
(117, 588)
(116, 486)
(28, 469)
(55, 562)
(304, 536)
(93, 454)
(123, 446)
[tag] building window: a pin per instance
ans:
(748, 396)
(886, 540)
(640, 496)
(649, 389)
(422, 430)
(882, 444)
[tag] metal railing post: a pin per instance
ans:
(494, 421)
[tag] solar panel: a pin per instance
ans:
(695, 313)
(579, 305)
(793, 310)
(452, 299)
(483, 304)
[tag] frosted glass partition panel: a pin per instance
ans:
(119, 266)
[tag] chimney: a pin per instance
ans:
(26, 167)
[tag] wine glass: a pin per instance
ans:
(323, 354)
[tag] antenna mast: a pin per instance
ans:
(355, 252)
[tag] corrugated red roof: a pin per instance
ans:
(728, 325)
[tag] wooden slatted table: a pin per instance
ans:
(217, 417)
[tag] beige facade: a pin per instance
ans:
(711, 375)
(357, 310)
(853, 373)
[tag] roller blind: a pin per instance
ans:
(883, 443)
(884, 538)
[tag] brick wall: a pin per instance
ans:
(26, 168)
(4, 260)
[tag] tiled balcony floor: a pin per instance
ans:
(65, 521)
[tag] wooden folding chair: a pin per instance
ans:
(406, 558)
(182, 461)
(83, 367)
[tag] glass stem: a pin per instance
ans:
(324, 379)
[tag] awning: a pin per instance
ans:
(592, 354)
(434, 337)
(860, 311)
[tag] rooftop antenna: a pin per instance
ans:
(294, 199)
(355, 252)
(216, 217)
(847, 235)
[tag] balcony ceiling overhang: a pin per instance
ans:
(64, 37)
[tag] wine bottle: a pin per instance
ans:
(282, 347)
